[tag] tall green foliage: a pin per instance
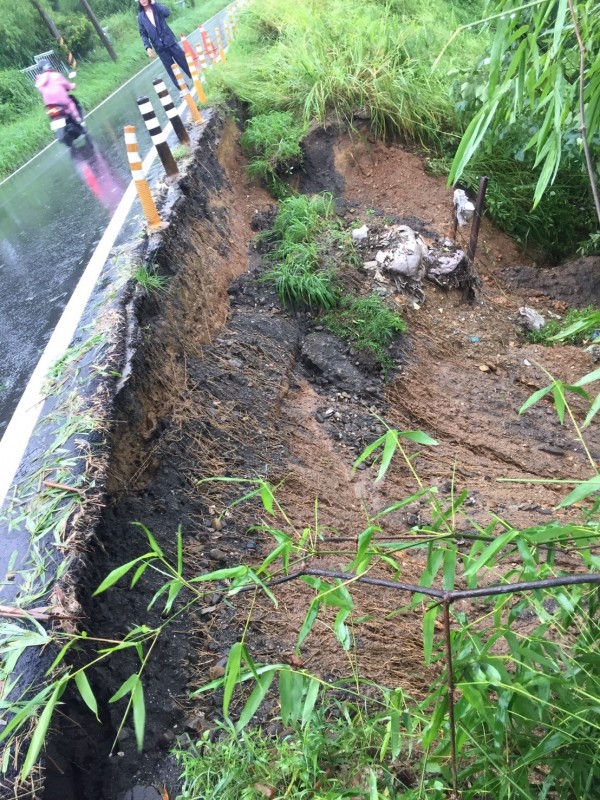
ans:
(535, 75)
(22, 34)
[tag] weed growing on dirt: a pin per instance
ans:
(149, 279)
(368, 323)
(273, 142)
(341, 749)
(577, 327)
(180, 151)
(303, 273)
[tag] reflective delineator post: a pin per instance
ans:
(202, 59)
(188, 49)
(139, 179)
(194, 113)
(159, 140)
(228, 26)
(209, 48)
(170, 110)
(220, 48)
(195, 78)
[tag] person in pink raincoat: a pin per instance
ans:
(55, 89)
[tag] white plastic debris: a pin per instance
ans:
(409, 256)
(381, 257)
(370, 265)
(359, 234)
(531, 319)
(463, 207)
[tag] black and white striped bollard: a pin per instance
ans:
(159, 140)
(170, 110)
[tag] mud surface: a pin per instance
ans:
(231, 384)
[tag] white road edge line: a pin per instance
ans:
(24, 419)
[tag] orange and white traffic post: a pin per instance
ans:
(203, 61)
(139, 179)
(188, 49)
(194, 113)
(220, 47)
(196, 79)
(209, 48)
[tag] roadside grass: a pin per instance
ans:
(337, 59)
(368, 324)
(97, 77)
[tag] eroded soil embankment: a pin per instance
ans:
(228, 383)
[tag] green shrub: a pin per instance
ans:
(78, 33)
(17, 95)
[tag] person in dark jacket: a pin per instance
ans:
(158, 37)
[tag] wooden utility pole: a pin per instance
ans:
(55, 32)
(98, 28)
(47, 19)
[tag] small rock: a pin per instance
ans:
(235, 362)
(319, 417)
(217, 671)
(359, 234)
(484, 368)
(552, 449)
(217, 555)
(216, 524)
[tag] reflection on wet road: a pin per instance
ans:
(52, 214)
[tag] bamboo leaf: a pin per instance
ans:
(85, 690)
(41, 729)
(139, 714)
(151, 540)
(309, 621)
(266, 495)
(535, 397)
(429, 618)
(581, 491)
(291, 690)
(257, 695)
(125, 688)
(419, 437)
(592, 412)
(118, 573)
(485, 559)
(389, 448)
(232, 671)
(310, 700)
(179, 551)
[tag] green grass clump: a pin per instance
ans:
(303, 265)
(273, 142)
(576, 328)
(149, 280)
(368, 324)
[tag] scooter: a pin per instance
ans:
(85, 156)
(68, 130)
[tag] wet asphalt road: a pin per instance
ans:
(50, 223)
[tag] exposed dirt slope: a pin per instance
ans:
(234, 385)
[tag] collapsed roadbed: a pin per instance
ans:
(212, 377)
